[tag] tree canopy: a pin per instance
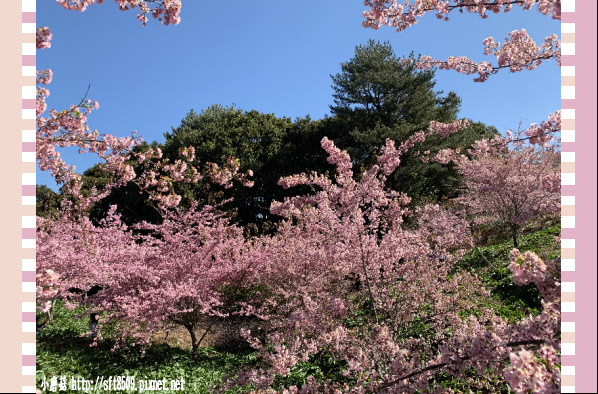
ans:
(252, 137)
(378, 96)
(375, 87)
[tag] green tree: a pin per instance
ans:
(132, 203)
(377, 89)
(435, 181)
(47, 202)
(301, 151)
(377, 96)
(254, 138)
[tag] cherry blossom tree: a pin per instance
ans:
(509, 179)
(410, 300)
(68, 128)
(173, 273)
(513, 187)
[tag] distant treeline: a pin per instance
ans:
(376, 96)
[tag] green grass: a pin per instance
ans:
(62, 352)
(322, 366)
(490, 264)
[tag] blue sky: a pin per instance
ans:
(271, 56)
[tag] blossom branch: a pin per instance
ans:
(402, 15)
(517, 53)
(465, 358)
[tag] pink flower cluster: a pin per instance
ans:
(44, 76)
(401, 15)
(47, 286)
(543, 134)
(159, 174)
(446, 129)
(69, 128)
(165, 11)
(528, 267)
(518, 52)
(339, 158)
(445, 156)
(43, 37)
(513, 186)
(173, 274)
(77, 5)
(389, 159)
(527, 372)
(538, 371)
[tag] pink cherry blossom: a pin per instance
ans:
(165, 11)
(43, 37)
(519, 51)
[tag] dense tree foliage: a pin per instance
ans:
(218, 133)
(377, 87)
(47, 202)
(132, 202)
(375, 90)
(379, 96)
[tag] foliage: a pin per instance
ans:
(47, 202)
(218, 133)
(375, 88)
(378, 97)
(489, 264)
(62, 351)
(132, 202)
(173, 272)
(432, 180)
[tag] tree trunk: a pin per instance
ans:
(194, 343)
(51, 311)
(514, 233)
